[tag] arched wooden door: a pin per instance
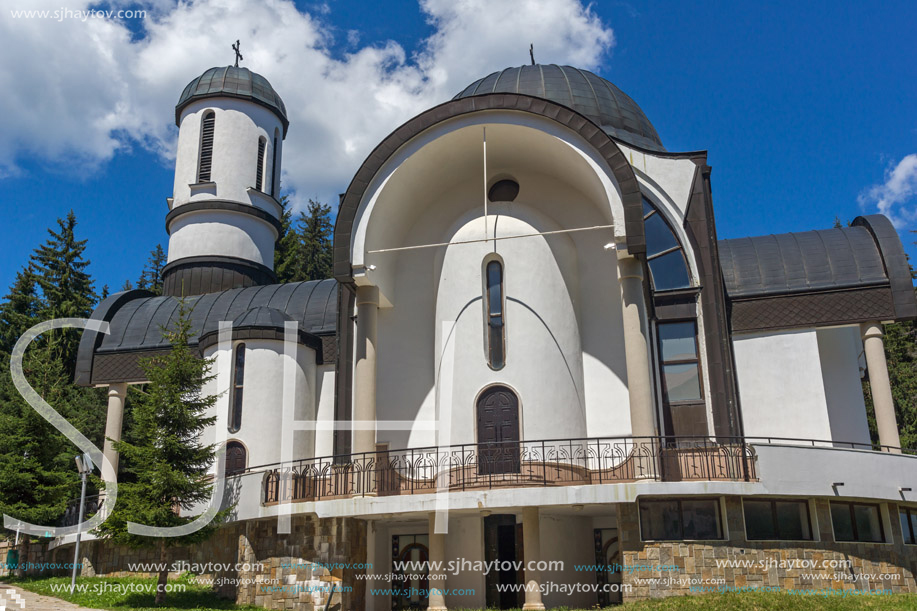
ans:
(235, 458)
(498, 431)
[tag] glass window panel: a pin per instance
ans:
(840, 518)
(658, 235)
(496, 346)
(682, 382)
(759, 520)
(701, 519)
(660, 520)
(906, 531)
(676, 341)
(913, 515)
(494, 288)
(869, 527)
(647, 208)
(669, 272)
(793, 520)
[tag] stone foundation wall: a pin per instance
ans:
(701, 562)
(312, 568)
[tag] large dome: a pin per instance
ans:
(233, 82)
(588, 94)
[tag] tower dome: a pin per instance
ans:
(580, 90)
(233, 82)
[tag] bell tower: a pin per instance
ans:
(224, 213)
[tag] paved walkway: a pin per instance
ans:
(33, 602)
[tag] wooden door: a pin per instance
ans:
(498, 431)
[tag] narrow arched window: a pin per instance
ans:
(664, 254)
(259, 170)
(235, 458)
(496, 329)
(206, 159)
(274, 166)
(238, 380)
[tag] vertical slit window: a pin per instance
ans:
(496, 333)
(238, 380)
(259, 169)
(206, 160)
(274, 167)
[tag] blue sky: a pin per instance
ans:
(806, 109)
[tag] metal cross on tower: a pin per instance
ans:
(235, 48)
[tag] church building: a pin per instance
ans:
(537, 371)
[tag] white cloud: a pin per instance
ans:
(74, 93)
(897, 196)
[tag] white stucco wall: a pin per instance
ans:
(262, 427)
(224, 233)
(324, 414)
(839, 349)
(781, 388)
(565, 352)
(237, 126)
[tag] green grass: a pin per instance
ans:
(195, 596)
(759, 601)
(201, 598)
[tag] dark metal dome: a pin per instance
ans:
(233, 82)
(580, 90)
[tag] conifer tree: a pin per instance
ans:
(66, 286)
(166, 461)
(286, 254)
(19, 308)
(316, 234)
(151, 276)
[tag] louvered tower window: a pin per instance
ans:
(259, 170)
(206, 160)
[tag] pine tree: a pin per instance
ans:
(66, 287)
(316, 234)
(151, 276)
(19, 309)
(286, 255)
(127, 286)
(166, 462)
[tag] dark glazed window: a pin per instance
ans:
(664, 254)
(679, 361)
(496, 336)
(259, 170)
(857, 522)
(238, 380)
(503, 191)
(777, 519)
(206, 159)
(908, 518)
(680, 519)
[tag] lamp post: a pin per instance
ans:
(84, 466)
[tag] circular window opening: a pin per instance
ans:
(503, 191)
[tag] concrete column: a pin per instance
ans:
(531, 543)
(436, 601)
(364, 375)
(117, 393)
(880, 386)
(639, 382)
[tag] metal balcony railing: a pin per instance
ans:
(485, 466)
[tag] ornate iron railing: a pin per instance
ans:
(487, 466)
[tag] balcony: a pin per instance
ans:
(523, 464)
